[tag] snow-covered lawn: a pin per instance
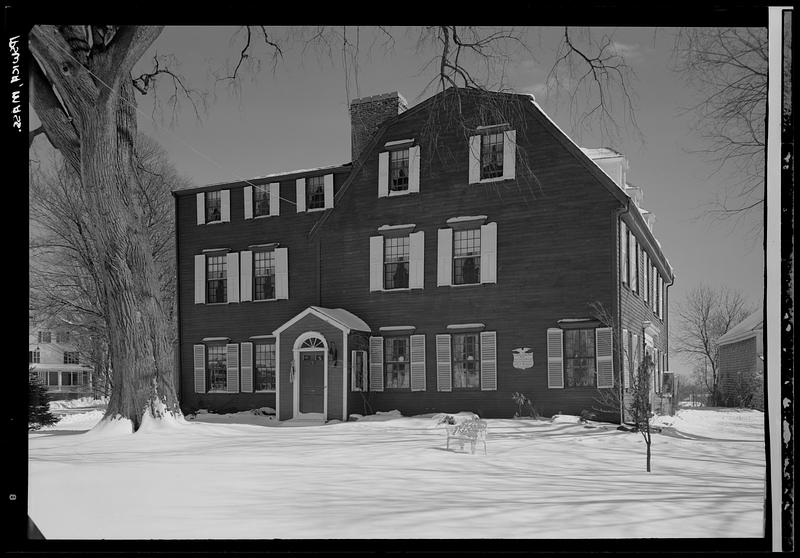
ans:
(241, 476)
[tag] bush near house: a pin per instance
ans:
(39, 414)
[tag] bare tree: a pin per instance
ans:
(640, 407)
(82, 90)
(729, 68)
(64, 287)
(705, 316)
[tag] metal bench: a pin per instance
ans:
(472, 431)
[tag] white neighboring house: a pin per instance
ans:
(53, 355)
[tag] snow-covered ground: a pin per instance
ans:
(386, 476)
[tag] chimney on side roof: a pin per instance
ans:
(368, 113)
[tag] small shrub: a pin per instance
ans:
(39, 414)
(524, 405)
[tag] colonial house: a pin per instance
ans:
(741, 363)
(54, 357)
(469, 251)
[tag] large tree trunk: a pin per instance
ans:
(97, 139)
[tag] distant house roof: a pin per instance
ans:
(750, 326)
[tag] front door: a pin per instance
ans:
(312, 377)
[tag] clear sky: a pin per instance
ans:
(297, 118)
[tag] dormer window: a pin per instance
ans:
(492, 155)
(314, 193)
(398, 170)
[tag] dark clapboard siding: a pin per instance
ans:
(239, 321)
(556, 253)
(555, 248)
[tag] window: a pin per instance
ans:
(62, 337)
(492, 155)
(315, 192)
(466, 256)
(264, 367)
(358, 366)
(398, 170)
(217, 367)
(213, 206)
(44, 337)
(466, 361)
(264, 273)
(395, 262)
(71, 357)
(216, 279)
(579, 356)
(398, 373)
(70, 379)
(623, 244)
(260, 200)
(53, 379)
(34, 356)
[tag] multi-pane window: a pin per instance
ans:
(217, 367)
(315, 192)
(466, 361)
(623, 243)
(395, 262)
(53, 379)
(71, 357)
(213, 206)
(44, 337)
(579, 358)
(34, 357)
(466, 256)
(492, 155)
(398, 170)
(264, 367)
(71, 378)
(62, 337)
(216, 279)
(398, 372)
(261, 200)
(264, 275)
(359, 370)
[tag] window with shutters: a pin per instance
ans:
(466, 256)
(213, 206)
(264, 275)
(492, 155)
(34, 357)
(217, 367)
(579, 358)
(397, 362)
(358, 371)
(71, 357)
(466, 361)
(44, 337)
(261, 200)
(216, 279)
(395, 262)
(398, 170)
(315, 192)
(264, 366)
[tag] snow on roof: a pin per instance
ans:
(600, 152)
(344, 317)
(751, 324)
(264, 177)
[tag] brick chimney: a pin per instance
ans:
(368, 113)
